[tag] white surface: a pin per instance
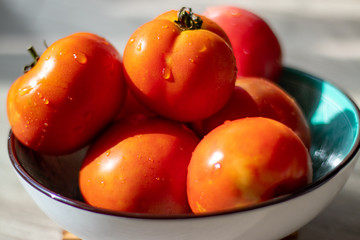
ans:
(318, 36)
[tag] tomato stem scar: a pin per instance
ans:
(187, 20)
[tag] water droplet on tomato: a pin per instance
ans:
(166, 73)
(165, 27)
(191, 60)
(25, 90)
(107, 152)
(132, 41)
(106, 42)
(47, 58)
(203, 49)
(46, 124)
(80, 57)
(139, 47)
(102, 184)
(46, 101)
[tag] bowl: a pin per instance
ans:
(334, 121)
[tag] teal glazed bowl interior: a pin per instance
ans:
(334, 122)
(333, 119)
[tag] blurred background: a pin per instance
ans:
(321, 37)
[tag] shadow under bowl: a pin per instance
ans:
(334, 122)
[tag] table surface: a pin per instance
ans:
(321, 37)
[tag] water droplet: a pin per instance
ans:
(46, 101)
(158, 37)
(47, 58)
(165, 27)
(80, 57)
(25, 90)
(106, 42)
(40, 95)
(217, 165)
(157, 178)
(132, 41)
(166, 73)
(139, 46)
(107, 152)
(203, 49)
(102, 184)
(191, 60)
(46, 124)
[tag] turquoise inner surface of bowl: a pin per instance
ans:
(333, 119)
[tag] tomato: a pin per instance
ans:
(244, 162)
(73, 91)
(133, 107)
(259, 97)
(183, 72)
(256, 47)
(241, 104)
(275, 103)
(139, 165)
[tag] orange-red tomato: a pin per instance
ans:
(72, 92)
(180, 72)
(259, 97)
(139, 165)
(132, 106)
(275, 103)
(257, 49)
(244, 162)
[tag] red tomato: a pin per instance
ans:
(259, 97)
(183, 72)
(139, 165)
(68, 97)
(257, 49)
(273, 102)
(244, 162)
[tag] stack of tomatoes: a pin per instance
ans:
(189, 120)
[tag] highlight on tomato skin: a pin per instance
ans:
(139, 165)
(72, 92)
(179, 73)
(246, 162)
(257, 49)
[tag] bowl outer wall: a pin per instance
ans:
(273, 221)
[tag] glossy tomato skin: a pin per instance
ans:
(259, 97)
(74, 90)
(256, 47)
(180, 74)
(244, 162)
(275, 103)
(139, 165)
(240, 105)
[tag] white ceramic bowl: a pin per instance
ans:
(334, 122)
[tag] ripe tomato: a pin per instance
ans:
(259, 97)
(139, 165)
(273, 102)
(244, 162)
(181, 71)
(132, 107)
(257, 49)
(73, 91)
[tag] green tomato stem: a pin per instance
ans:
(187, 20)
(35, 56)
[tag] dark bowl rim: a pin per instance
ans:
(84, 206)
